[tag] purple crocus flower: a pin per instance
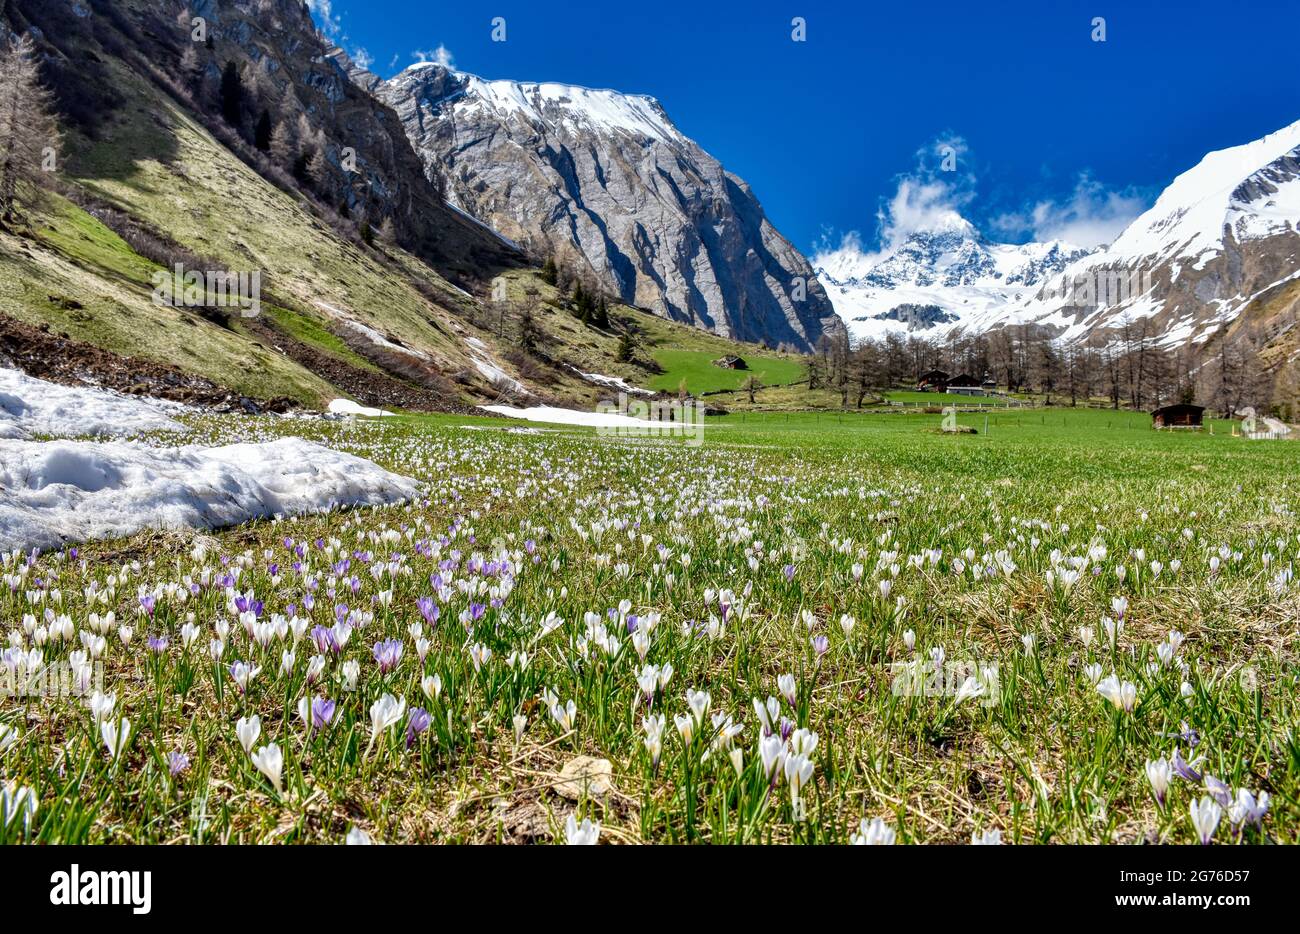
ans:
(788, 571)
(428, 609)
(147, 604)
(787, 727)
(820, 644)
(157, 644)
(476, 611)
(324, 639)
(388, 653)
(322, 712)
(417, 721)
(177, 762)
(1183, 768)
(1218, 791)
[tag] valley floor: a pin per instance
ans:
(816, 629)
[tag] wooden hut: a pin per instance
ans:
(1181, 415)
(932, 381)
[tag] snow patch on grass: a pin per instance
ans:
(32, 407)
(348, 407)
(59, 492)
(557, 416)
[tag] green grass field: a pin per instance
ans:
(810, 628)
(701, 376)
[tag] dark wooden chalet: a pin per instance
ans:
(1182, 415)
(932, 381)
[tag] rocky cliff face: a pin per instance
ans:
(606, 183)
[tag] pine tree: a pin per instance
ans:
(626, 347)
(527, 329)
(262, 135)
(283, 147)
(191, 68)
(29, 139)
(232, 95)
(601, 316)
(367, 234)
(550, 274)
(581, 303)
(317, 169)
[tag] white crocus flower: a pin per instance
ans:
(115, 735)
(248, 729)
(585, 834)
(385, 713)
(270, 762)
(874, 832)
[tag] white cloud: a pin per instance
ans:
(441, 55)
(930, 197)
(362, 59)
(1091, 216)
(323, 11)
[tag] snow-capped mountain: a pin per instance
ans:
(606, 183)
(937, 280)
(1222, 236)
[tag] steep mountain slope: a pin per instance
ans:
(606, 182)
(937, 280)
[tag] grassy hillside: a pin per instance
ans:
(151, 184)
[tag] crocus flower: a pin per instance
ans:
(585, 834)
(1205, 817)
(874, 832)
(785, 684)
(243, 675)
(1218, 791)
(384, 714)
(1247, 809)
(322, 712)
(177, 762)
(1159, 772)
(1184, 769)
(115, 735)
(17, 800)
(1122, 694)
(270, 762)
(388, 653)
(248, 729)
(417, 721)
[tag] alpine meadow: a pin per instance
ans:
(391, 454)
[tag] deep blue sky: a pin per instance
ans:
(823, 129)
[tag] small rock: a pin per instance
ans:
(585, 775)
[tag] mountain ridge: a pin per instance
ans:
(606, 181)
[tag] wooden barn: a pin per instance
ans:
(932, 381)
(731, 362)
(1182, 415)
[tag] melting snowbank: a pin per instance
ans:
(557, 416)
(348, 407)
(58, 492)
(30, 406)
